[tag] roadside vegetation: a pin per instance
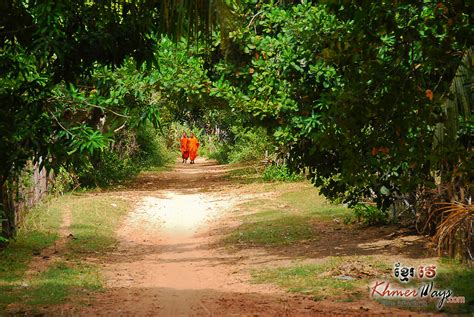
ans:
(369, 102)
(68, 271)
(348, 278)
(39, 231)
(300, 225)
(327, 279)
(286, 220)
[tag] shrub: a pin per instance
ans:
(370, 214)
(152, 148)
(216, 149)
(132, 151)
(117, 163)
(250, 145)
(246, 145)
(280, 173)
(220, 154)
(109, 168)
(64, 181)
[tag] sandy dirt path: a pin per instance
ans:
(167, 263)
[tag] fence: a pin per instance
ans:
(23, 193)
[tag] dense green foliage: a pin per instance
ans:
(130, 153)
(372, 98)
(370, 215)
(240, 145)
(58, 79)
(355, 92)
(280, 173)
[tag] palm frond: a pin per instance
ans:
(458, 103)
(454, 233)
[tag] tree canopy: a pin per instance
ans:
(372, 98)
(358, 92)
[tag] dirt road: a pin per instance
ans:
(167, 262)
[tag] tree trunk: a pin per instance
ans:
(7, 213)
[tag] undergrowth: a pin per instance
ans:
(281, 173)
(93, 224)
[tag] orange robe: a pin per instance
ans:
(185, 148)
(193, 148)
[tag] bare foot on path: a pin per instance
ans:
(167, 265)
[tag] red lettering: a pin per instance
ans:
(412, 292)
(386, 291)
(395, 292)
(374, 288)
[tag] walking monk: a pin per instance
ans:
(184, 147)
(193, 147)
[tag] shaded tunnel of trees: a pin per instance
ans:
(372, 99)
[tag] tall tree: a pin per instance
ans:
(46, 43)
(354, 90)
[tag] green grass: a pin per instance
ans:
(281, 173)
(245, 175)
(60, 281)
(319, 280)
(272, 228)
(450, 274)
(459, 278)
(40, 230)
(94, 221)
(314, 280)
(286, 220)
(309, 201)
(162, 168)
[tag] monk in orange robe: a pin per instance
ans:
(184, 147)
(193, 147)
